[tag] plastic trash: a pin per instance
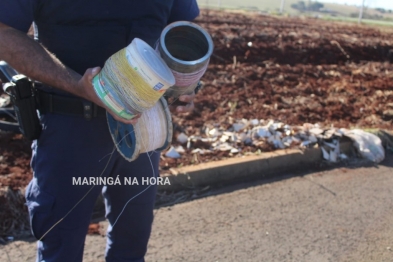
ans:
(182, 138)
(172, 153)
(368, 145)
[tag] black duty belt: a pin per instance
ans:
(73, 106)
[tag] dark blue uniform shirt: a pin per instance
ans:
(84, 33)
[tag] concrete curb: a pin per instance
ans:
(246, 168)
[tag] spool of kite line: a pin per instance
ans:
(152, 132)
(131, 82)
(186, 49)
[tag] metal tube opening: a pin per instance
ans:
(185, 46)
(186, 43)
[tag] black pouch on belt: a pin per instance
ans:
(24, 99)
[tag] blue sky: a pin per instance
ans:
(387, 4)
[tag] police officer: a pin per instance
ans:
(74, 40)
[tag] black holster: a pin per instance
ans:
(24, 98)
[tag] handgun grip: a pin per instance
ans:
(7, 72)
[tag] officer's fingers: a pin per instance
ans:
(185, 109)
(123, 120)
(90, 73)
(187, 98)
(92, 96)
(136, 117)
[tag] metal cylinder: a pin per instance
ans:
(185, 47)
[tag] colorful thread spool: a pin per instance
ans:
(133, 80)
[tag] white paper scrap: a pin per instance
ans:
(325, 154)
(182, 138)
(172, 153)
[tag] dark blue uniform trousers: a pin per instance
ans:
(73, 147)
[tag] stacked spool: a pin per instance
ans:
(133, 81)
(186, 49)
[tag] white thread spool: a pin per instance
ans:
(152, 132)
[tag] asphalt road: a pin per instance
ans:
(344, 214)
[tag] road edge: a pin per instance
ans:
(245, 168)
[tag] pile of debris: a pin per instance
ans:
(260, 134)
(268, 133)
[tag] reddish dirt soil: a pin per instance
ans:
(289, 69)
(14, 161)
(293, 70)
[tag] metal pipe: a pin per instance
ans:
(361, 13)
(185, 47)
(282, 6)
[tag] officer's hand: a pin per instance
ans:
(184, 104)
(86, 84)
